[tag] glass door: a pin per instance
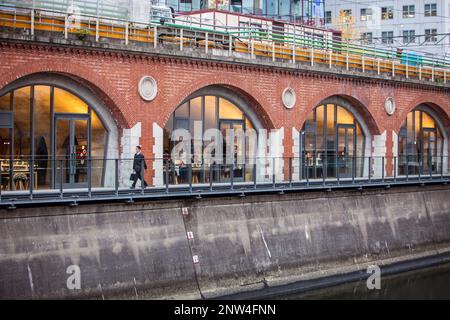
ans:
(346, 146)
(429, 151)
(71, 145)
(233, 150)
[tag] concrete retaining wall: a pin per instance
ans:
(142, 251)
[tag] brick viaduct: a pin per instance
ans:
(113, 74)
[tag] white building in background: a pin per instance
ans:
(416, 25)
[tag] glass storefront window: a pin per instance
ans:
(42, 135)
(227, 110)
(66, 102)
(206, 113)
(420, 144)
(99, 138)
(5, 142)
(5, 102)
(51, 139)
(210, 112)
(332, 144)
(22, 126)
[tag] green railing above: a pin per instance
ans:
(309, 38)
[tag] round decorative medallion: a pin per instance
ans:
(389, 106)
(289, 98)
(148, 88)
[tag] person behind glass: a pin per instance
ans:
(139, 167)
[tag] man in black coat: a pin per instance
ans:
(139, 167)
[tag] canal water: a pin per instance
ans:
(430, 283)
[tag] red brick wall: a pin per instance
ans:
(114, 77)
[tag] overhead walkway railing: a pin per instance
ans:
(184, 33)
(69, 181)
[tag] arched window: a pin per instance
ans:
(332, 143)
(47, 135)
(420, 144)
(197, 117)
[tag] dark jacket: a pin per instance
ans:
(138, 161)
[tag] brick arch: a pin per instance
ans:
(91, 80)
(359, 103)
(254, 98)
(434, 103)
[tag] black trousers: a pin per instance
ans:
(136, 177)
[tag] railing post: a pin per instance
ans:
(382, 169)
(206, 42)
(97, 30)
(211, 168)
(445, 76)
(312, 55)
(430, 167)
(300, 165)
(89, 178)
(433, 68)
(363, 60)
(32, 21)
(31, 164)
(142, 176)
(290, 172)
(232, 177)
(395, 169)
(273, 173)
(420, 169)
(420, 72)
(347, 58)
(324, 168)
(66, 26)
(393, 63)
(378, 66)
(190, 177)
(126, 33)
(166, 174)
(294, 47)
(61, 195)
(116, 177)
(370, 169)
(294, 53)
(252, 48)
(337, 169)
(407, 69)
(407, 168)
(230, 47)
(442, 167)
(254, 175)
(155, 37)
(273, 51)
(331, 59)
(307, 174)
(181, 40)
(353, 169)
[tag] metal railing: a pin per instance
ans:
(298, 46)
(72, 181)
